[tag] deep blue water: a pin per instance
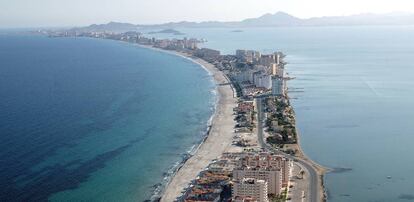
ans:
(94, 120)
(354, 95)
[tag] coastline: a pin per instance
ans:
(320, 170)
(181, 174)
(217, 139)
(219, 136)
(190, 167)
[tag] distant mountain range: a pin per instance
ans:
(279, 19)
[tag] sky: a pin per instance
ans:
(57, 13)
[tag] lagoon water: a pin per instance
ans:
(94, 120)
(353, 96)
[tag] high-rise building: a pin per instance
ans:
(207, 53)
(244, 76)
(267, 60)
(249, 189)
(266, 160)
(249, 56)
(273, 177)
(262, 80)
(278, 87)
(274, 68)
(277, 57)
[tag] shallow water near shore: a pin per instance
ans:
(353, 96)
(95, 120)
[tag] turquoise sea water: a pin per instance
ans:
(353, 97)
(94, 120)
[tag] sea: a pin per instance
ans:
(99, 120)
(353, 96)
(95, 120)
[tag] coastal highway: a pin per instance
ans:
(312, 174)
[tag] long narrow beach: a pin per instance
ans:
(218, 140)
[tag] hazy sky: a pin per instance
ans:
(33, 13)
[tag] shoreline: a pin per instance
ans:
(164, 186)
(215, 141)
(219, 138)
(166, 194)
(219, 135)
(320, 170)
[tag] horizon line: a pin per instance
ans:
(406, 13)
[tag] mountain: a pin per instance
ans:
(110, 27)
(279, 19)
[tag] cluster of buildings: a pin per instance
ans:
(273, 170)
(241, 177)
(177, 44)
(135, 37)
(210, 185)
(280, 121)
(244, 116)
(255, 73)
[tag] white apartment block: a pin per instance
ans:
(251, 189)
(273, 177)
(267, 161)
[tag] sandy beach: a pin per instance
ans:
(218, 140)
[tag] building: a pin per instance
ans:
(262, 80)
(190, 44)
(207, 53)
(248, 56)
(273, 68)
(267, 60)
(240, 54)
(267, 161)
(244, 76)
(277, 57)
(273, 177)
(249, 189)
(278, 87)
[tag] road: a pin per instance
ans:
(313, 175)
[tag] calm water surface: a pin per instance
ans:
(354, 96)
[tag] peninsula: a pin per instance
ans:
(252, 151)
